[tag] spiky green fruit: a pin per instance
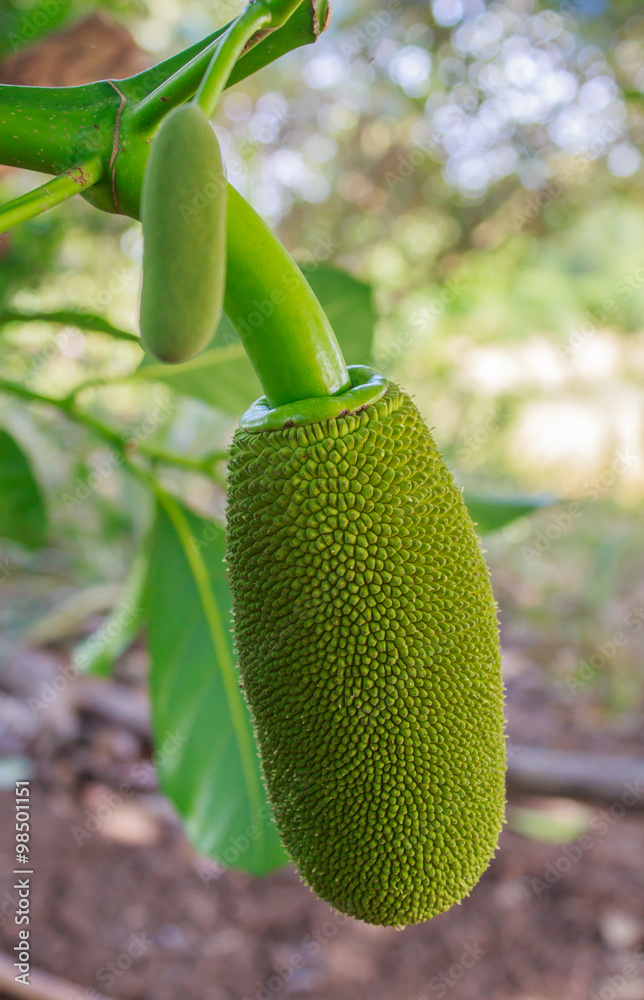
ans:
(368, 646)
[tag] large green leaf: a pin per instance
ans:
(206, 754)
(22, 510)
(223, 376)
(490, 512)
(99, 652)
(348, 303)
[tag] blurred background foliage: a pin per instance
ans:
(478, 166)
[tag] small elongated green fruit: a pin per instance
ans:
(183, 212)
(368, 646)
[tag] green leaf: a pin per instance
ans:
(558, 823)
(207, 759)
(348, 303)
(99, 652)
(68, 317)
(490, 512)
(223, 376)
(22, 510)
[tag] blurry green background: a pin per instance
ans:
(478, 166)
(464, 182)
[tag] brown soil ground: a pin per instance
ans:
(134, 894)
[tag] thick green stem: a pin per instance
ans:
(281, 324)
(121, 443)
(54, 192)
(302, 23)
(227, 52)
(51, 129)
(176, 80)
(283, 10)
(178, 88)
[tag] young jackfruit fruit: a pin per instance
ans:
(368, 647)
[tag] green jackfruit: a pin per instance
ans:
(368, 647)
(183, 214)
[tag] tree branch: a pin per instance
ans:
(54, 192)
(123, 444)
(589, 777)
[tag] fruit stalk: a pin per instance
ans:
(281, 324)
(227, 52)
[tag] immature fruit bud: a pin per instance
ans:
(183, 211)
(368, 646)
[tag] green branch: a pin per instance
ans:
(123, 444)
(99, 652)
(54, 192)
(176, 89)
(307, 21)
(68, 317)
(50, 129)
(227, 52)
(219, 60)
(280, 322)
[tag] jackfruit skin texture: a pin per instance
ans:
(367, 638)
